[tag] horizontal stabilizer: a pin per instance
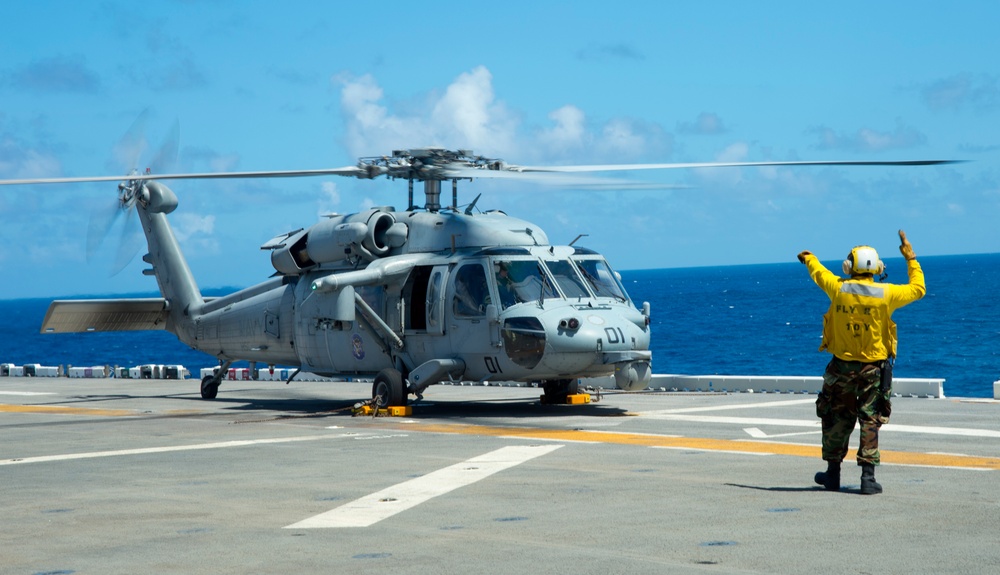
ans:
(85, 315)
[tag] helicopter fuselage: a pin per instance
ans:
(504, 312)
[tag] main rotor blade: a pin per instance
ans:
(457, 171)
(627, 167)
(351, 171)
(559, 179)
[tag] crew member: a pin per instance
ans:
(858, 330)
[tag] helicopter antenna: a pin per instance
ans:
(578, 237)
(468, 210)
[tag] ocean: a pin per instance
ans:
(763, 319)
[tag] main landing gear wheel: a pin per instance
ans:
(210, 387)
(389, 389)
(556, 391)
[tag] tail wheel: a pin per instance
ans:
(388, 388)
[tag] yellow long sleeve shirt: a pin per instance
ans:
(858, 326)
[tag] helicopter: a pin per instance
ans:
(409, 298)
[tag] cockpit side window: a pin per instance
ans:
(472, 294)
(520, 281)
(601, 277)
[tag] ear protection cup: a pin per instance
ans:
(863, 260)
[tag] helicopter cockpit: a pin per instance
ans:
(582, 275)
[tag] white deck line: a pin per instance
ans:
(904, 386)
(383, 504)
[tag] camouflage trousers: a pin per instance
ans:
(851, 393)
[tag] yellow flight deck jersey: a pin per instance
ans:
(858, 326)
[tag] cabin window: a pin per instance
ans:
(415, 298)
(472, 294)
(434, 302)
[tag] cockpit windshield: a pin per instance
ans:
(601, 277)
(528, 280)
(569, 281)
(520, 281)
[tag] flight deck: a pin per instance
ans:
(125, 476)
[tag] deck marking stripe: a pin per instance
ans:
(146, 450)
(58, 409)
(784, 403)
(815, 423)
(27, 393)
(708, 444)
(380, 505)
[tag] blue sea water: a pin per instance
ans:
(735, 320)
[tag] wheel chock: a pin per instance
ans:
(391, 411)
(575, 399)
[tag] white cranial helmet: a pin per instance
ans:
(863, 260)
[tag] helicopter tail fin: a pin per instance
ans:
(177, 284)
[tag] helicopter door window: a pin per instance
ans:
(601, 278)
(472, 294)
(433, 302)
(569, 281)
(520, 281)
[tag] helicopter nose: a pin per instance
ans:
(614, 344)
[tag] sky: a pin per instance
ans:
(306, 85)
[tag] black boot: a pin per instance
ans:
(831, 478)
(868, 484)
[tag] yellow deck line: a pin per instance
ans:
(741, 446)
(56, 409)
(648, 440)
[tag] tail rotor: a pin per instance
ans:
(130, 191)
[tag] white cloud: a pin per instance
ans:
(728, 177)
(187, 225)
(329, 199)
(467, 115)
(19, 160)
(468, 112)
(569, 131)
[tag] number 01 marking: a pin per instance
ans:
(615, 334)
(493, 364)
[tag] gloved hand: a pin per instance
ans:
(802, 256)
(905, 248)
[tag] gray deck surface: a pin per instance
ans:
(119, 476)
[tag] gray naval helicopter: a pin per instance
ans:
(409, 298)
